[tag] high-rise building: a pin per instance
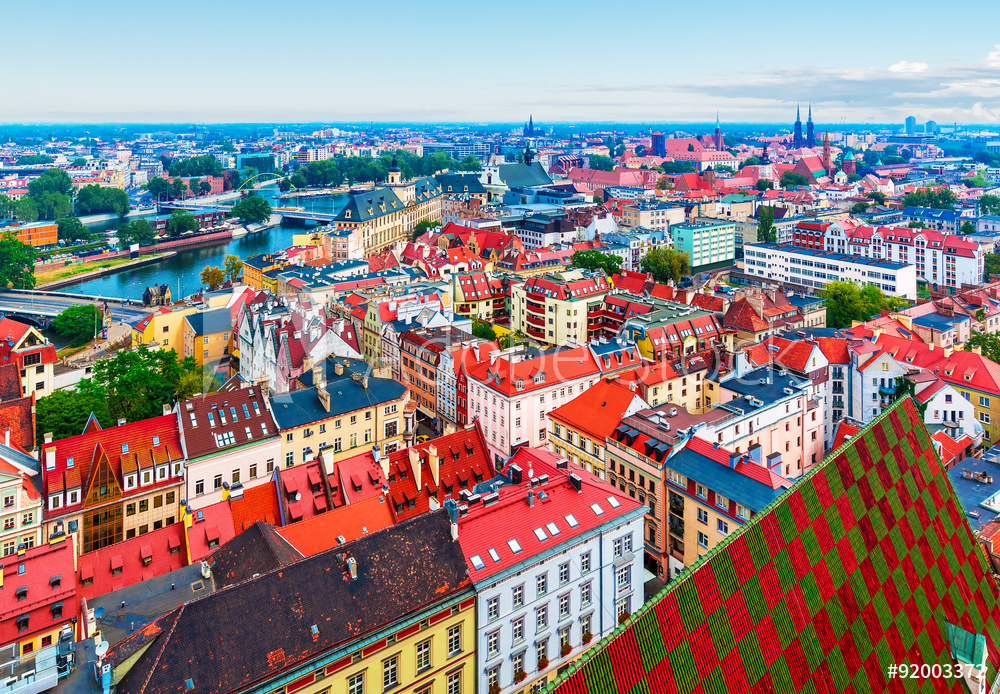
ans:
(931, 127)
(911, 125)
(797, 139)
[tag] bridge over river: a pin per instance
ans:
(40, 307)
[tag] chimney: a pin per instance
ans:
(515, 473)
(576, 481)
(324, 396)
(734, 458)
(317, 373)
(48, 437)
(50, 458)
(364, 382)
(531, 498)
(414, 456)
(454, 531)
(352, 566)
(6, 437)
(434, 463)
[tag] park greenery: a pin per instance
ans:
(213, 277)
(96, 199)
(989, 204)
(351, 170)
(600, 162)
(72, 229)
(50, 193)
(936, 198)
(793, 179)
(666, 264)
(181, 222)
(252, 210)
(77, 324)
(483, 330)
(423, 226)
(849, 301)
(766, 232)
(596, 260)
(65, 413)
(205, 165)
(137, 231)
(17, 263)
(988, 343)
(232, 268)
(34, 160)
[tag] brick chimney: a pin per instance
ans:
(414, 456)
(324, 396)
(433, 462)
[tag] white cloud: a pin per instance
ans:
(993, 58)
(907, 67)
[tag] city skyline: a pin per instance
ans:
(460, 63)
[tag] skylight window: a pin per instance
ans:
(552, 528)
(156, 440)
(571, 520)
(514, 546)
(596, 508)
(494, 556)
(614, 502)
(477, 562)
(540, 534)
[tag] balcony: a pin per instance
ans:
(676, 527)
(536, 332)
(535, 307)
(887, 390)
(536, 320)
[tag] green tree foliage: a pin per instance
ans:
(137, 231)
(204, 187)
(100, 200)
(284, 185)
(77, 324)
(991, 265)
(989, 344)
(763, 184)
(766, 233)
(34, 160)
(298, 179)
(422, 227)
(252, 210)
(178, 189)
(72, 229)
(599, 162)
(79, 161)
(967, 227)
(849, 301)
(483, 330)
(213, 277)
(916, 225)
(194, 185)
(976, 181)
(232, 266)
(17, 263)
(469, 163)
(597, 260)
(853, 177)
(181, 222)
(676, 167)
(793, 179)
(228, 147)
(666, 264)
(877, 196)
(53, 205)
(64, 413)
(508, 340)
(205, 165)
(158, 187)
(26, 210)
(860, 207)
(661, 184)
(989, 204)
(8, 206)
(137, 383)
(938, 198)
(51, 180)
(750, 161)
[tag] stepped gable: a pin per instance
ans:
(868, 561)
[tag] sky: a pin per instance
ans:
(211, 61)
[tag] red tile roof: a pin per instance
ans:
(320, 533)
(259, 503)
(18, 415)
(597, 411)
(844, 430)
(41, 564)
(218, 421)
(304, 489)
(504, 376)
(214, 529)
(132, 561)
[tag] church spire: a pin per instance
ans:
(798, 114)
(810, 112)
(716, 119)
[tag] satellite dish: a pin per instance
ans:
(102, 649)
(98, 612)
(298, 496)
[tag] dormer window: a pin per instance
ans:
(129, 481)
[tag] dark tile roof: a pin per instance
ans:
(255, 631)
(300, 407)
(218, 421)
(10, 382)
(256, 550)
(370, 204)
(866, 561)
(210, 322)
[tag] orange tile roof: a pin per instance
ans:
(352, 521)
(598, 410)
(259, 503)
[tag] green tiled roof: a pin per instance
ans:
(866, 562)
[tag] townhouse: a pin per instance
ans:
(421, 351)
(207, 337)
(553, 554)
(32, 353)
(382, 217)
(477, 295)
(670, 330)
(20, 501)
(559, 307)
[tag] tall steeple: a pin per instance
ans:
(827, 158)
(797, 136)
(810, 133)
(717, 139)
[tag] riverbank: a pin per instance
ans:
(95, 218)
(59, 277)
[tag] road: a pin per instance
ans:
(52, 304)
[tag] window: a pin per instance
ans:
(199, 487)
(541, 617)
(703, 516)
(723, 502)
(143, 505)
(390, 672)
(454, 679)
(253, 470)
(585, 563)
(236, 476)
(518, 595)
(493, 644)
(423, 655)
(742, 512)
(454, 640)
(723, 526)
(541, 584)
(702, 539)
(356, 684)
(585, 594)
(701, 491)
(623, 577)
(216, 483)
(517, 629)
(564, 573)
(984, 402)
(564, 606)
(289, 459)
(493, 609)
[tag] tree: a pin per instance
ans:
(17, 263)
(989, 204)
(181, 222)
(483, 330)
(213, 277)
(34, 159)
(938, 198)
(423, 226)
(766, 233)
(853, 177)
(469, 163)
(764, 184)
(284, 185)
(52, 205)
(205, 187)
(967, 227)
(599, 162)
(675, 167)
(597, 260)
(138, 231)
(877, 196)
(228, 147)
(916, 225)
(725, 168)
(72, 229)
(252, 210)
(194, 185)
(79, 161)
(51, 180)
(298, 180)
(989, 344)
(26, 210)
(158, 187)
(750, 161)
(65, 413)
(793, 179)
(137, 383)
(860, 207)
(991, 265)
(976, 181)
(233, 268)
(96, 199)
(663, 183)
(77, 324)
(848, 301)
(205, 165)
(508, 340)
(7, 207)
(177, 188)
(666, 264)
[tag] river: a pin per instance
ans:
(182, 271)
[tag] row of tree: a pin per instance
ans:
(351, 170)
(215, 277)
(849, 301)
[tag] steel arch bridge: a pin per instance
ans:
(264, 173)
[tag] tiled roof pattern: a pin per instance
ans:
(257, 550)
(858, 566)
(259, 503)
(219, 421)
(320, 533)
(216, 524)
(123, 563)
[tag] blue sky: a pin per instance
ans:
(246, 61)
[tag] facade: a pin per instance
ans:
(109, 485)
(814, 269)
(652, 215)
(949, 221)
(477, 295)
(36, 234)
(207, 336)
(382, 217)
(20, 502)
(230, 441)
(706, 243)
(635, 243)
(554, 557)
(671, 329)
(559, 307)
(32, 353)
